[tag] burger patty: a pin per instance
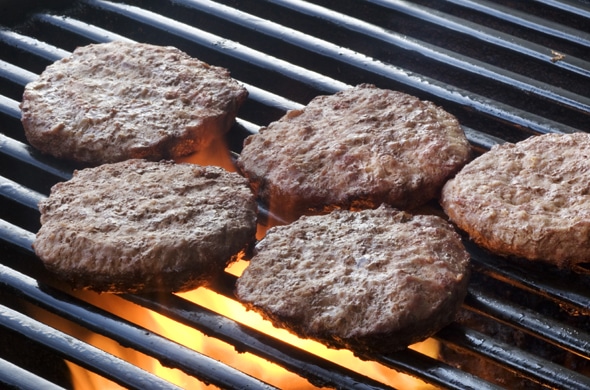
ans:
(373, 280)
(145, 226)
(529, 199)
(115, 101)
(357, 148)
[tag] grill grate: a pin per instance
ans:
(505, 69)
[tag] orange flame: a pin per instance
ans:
(218, 154)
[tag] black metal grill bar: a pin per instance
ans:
(19, 193)
(39, 48)
(16, 377)
(566, 337)
(92, 33)
(572, 290)
(511, 15)
(433, 53)
(486, 35)
(315, 369)
(126, 333)
(478, 343)
(97, 34)
(263, 97)
(568, 6)
(24, 153)
(361, 63)
(557, 333)
(243, 338)
(271, 100)
(232, 49)
(81, 353)
(15, 74)
(481, 141)
(9, 107)
(15, 235)
(491, 307)
(410, 361)
(526, 364)
(100, 21)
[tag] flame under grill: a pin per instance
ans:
(506, 69)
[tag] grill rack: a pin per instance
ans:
(335, 50)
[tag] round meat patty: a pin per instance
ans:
(357, 148)
(530, 199)
(145, 226)
(373, 280)
(115, 101)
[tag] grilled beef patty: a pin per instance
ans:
(373, 280)
(145, 226)
(530, 199)
(115, 101)
(357, 148)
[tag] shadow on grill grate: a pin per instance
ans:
(505, 69)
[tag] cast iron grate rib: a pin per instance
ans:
(286, 52)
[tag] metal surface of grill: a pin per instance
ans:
(506, 69)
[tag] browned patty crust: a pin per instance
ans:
(145, 226)
(357, 148)
(373, 280)
(114, 101)
(529, 199)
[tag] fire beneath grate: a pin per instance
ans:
(506, 69)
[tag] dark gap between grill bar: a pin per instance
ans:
(409, 362)
(571, 7)
(90, 30)
(14, 113)
(571, 290)
(245, 339)
(229, 293)
(574, 340)
(27, 154)
(529, 365)
(373, 40)
(517, 17)
(17, 76)
(270, 101)
(14, 376)
(451, 97)
(126, 333)
(24, 196)
(33, 55)
(81, 353)
(30, 199)
(174, 355)
(486, 35)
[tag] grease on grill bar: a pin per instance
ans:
(505, 69)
